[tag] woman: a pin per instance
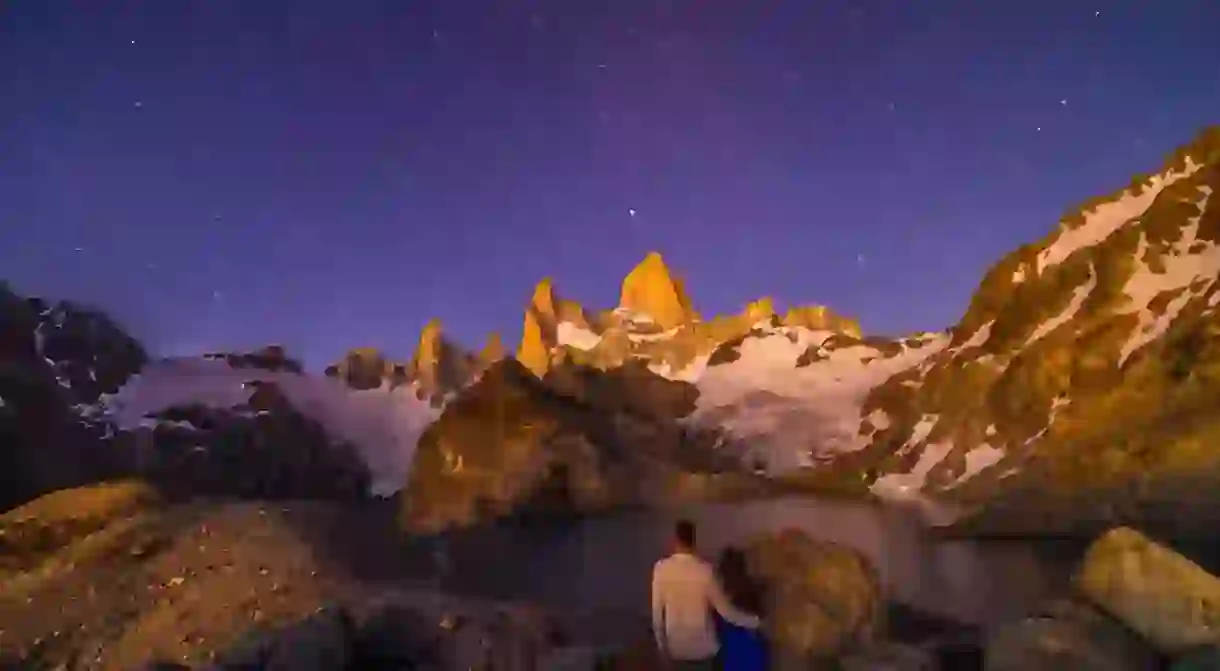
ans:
(741, 649)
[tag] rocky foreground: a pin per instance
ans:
(113, 577)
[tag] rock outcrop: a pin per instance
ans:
(579, 441)
(439, 366)
(493, 351)
(270, 358)
(262, 449)
(437, 369)
(819, 317)
(57, 361)
(538, 331)
(365, 368)
(651, 290)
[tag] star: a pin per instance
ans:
(1039, 129)
(133, 41)
(1063, 102)
(1096, 13)
(631, 212)
(139, 103)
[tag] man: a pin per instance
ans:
(684, 590)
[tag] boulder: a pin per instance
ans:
(823, 599)
(1167, 598)
(1067, 635)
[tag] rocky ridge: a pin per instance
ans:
(437, 370)
(56, 361)
(1085, 365)
(578, 441)
(654, 322)
(1081, 372)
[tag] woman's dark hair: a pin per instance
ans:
(744, 591)
(684, 533)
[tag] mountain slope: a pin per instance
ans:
(579, 440)
(382, 422)
(1085, 366)
(758, 376)
(56, 361)
(1086, 361)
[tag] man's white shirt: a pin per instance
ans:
(684, 592)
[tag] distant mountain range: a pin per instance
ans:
(1086, 367)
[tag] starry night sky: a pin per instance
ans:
(332, 174)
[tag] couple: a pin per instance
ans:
(703, 620)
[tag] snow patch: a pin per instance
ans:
(977, 459)
(1106, 218)
(789, 412)
(1078, 297)
(383, 424)
(40, 340)
(691, 372)
(921, 431)
(570, 334)
(977, 339)
(901, 485)
(628, 315)
(177, 424)
(1181, 269)
(879, 419)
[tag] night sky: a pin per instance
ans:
(328, 175)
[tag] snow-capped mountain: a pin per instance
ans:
(754, 372)
(56, 360)
(1086, 362)
(383, 423)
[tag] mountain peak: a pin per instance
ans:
(543, 299)
(538, 331)
(650, 288)
(428, 350)
(493, 350)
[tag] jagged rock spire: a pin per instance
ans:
(652, 290)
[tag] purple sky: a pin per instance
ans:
(332, 174)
